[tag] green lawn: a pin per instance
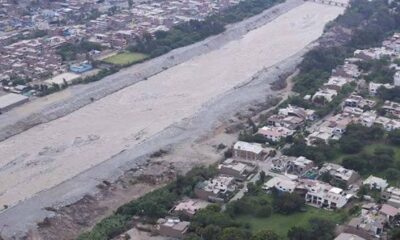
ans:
(370, 148)
(282, 223)
(125, 58)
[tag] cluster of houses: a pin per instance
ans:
(356, 109)
(220, 189)
(115, 26)
(374, 218)
(341, 76)
(286, 122)
(32, 59)
(330, 186)
(301, 176)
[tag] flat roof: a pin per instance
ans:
(10, 99)
(59, 79)
(251, 147)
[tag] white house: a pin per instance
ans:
(324, 195)
(376, 183)
(396, 81)
(275, 133)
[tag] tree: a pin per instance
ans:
(356, 163)
(394, 137)
(395, 234)
(265, 235)
(210, 232)
(252, 189)
(262, 178)
(321, 229)
(392, 174)
(207, 216)
(298, 233)
(191, 236)
(288, 203)
(264, 211)
(232, 233)
(350, 145)
(326, 177)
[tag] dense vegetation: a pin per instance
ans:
(368, 150)
(193, 31)
(70, 51)
(213, 224)
(152, 205)
(392, 94)
(370, 22)
(377, 70)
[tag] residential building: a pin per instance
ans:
(357, 101)
(348, 70)
(281, 183)
(324, 96)
(239, 170)
(392, 108)
(218, 189)
(392, 196)
(389, 212)
(339, 122)
(372, 53)
(299, 165)
(348, 236)
(396, 80)
(305, 114)
(189, 207)
(374, 87)
(323, 195)
(368, 118)
(290, 122)
(353, 111)
(280, 164)
(275, 133)
(387, 123)
(340, 174)
(172, 227)
(248, 151)
(336, 83)
(323, 134)
(376, 183)
(369, 223)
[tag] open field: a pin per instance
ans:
(282, 223)
(370, 148)
(125, 58)
(127, 123)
